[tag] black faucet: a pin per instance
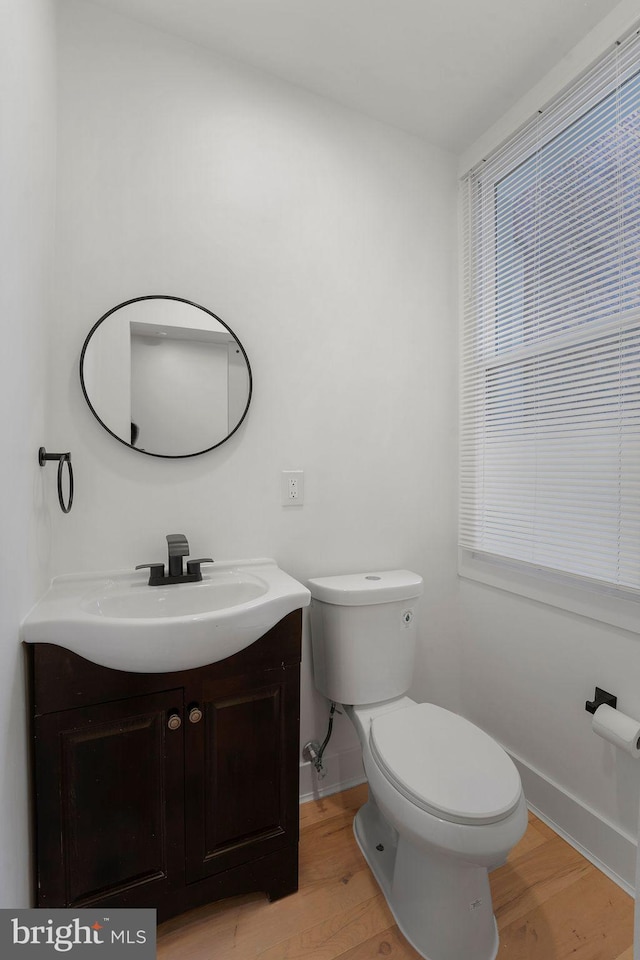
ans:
(178, 546)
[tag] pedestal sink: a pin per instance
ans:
(117, 620)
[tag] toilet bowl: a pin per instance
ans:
(445, 800)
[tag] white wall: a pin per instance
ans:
(27, 163)
(528, 668)
(326, 241)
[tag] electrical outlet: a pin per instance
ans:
(292, 490)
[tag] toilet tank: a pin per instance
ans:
(363, 634)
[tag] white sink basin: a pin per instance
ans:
(134, 601)
(119, 621)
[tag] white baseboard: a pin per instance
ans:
(600, 841)
(344, 770)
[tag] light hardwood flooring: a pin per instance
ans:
(550, 904)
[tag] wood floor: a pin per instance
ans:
(550, 904)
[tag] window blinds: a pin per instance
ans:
(550, 402)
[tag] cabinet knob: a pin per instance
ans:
(174, 722)
(195, 714)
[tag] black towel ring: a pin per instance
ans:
(62, 458)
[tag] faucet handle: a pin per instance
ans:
(193, 566)
(156, 572)
(178, 545)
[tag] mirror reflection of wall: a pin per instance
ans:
(179, 393)
(165, 376)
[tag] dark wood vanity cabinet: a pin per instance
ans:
(166, 790)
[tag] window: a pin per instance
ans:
(550, 428)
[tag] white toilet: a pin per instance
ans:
(445, 801)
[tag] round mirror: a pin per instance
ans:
(165, 376)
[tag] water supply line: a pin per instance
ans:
(313, 751)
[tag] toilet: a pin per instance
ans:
(445, 800)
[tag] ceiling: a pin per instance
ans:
(445, 70)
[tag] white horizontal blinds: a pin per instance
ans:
(550, 453)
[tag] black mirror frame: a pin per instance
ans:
(163, 456)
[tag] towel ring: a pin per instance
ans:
(62, 458)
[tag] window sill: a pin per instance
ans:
(588, 598)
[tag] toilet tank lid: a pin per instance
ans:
(360, 589)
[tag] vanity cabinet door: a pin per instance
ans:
(241, 768)
(110, 809)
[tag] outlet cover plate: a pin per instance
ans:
(292, 488)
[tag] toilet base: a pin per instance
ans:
(442, 906)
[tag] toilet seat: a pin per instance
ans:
(444, 764)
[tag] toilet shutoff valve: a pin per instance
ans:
(311, 753)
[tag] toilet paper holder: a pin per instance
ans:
(601, 696)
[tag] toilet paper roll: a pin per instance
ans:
(617, 728)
